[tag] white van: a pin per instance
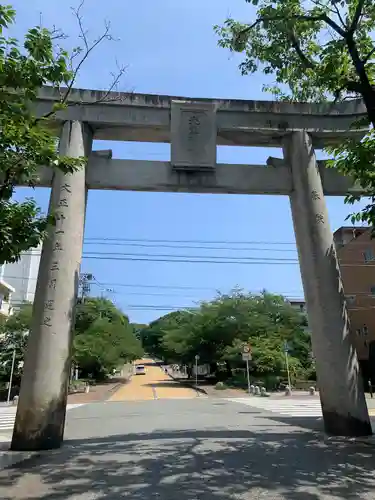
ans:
(140, 370)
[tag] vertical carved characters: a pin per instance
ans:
(65, 191)
(193, 135)
(42, 403)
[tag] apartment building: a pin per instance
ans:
(356, 254)
(6, 291)
(298, 305)
(22, 276)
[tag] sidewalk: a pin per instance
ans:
(99, 392)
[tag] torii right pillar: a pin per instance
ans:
(340, 384)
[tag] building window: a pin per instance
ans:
(368, 255)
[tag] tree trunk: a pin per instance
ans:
(365, 88)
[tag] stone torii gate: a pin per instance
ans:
(194, 127)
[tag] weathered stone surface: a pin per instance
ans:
(42, 404)
(193, 135)
(340, 384)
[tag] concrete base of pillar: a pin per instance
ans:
(338, 425)
(47, 434)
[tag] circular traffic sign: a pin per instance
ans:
(246, 348)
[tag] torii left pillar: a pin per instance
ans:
(40, 418)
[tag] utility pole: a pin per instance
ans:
(286, 351)
(85, 280)
(196, 370)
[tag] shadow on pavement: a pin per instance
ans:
(204, 465)
(311, 423)
(167, 384)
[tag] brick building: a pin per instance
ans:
(356, 254)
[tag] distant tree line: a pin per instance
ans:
(104, 340)
(217, 330)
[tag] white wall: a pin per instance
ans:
(22, 276)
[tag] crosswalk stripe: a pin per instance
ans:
(291, 408)
(8, 416)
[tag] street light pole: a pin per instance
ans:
(286, 350)
(11, 376)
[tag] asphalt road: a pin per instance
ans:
(155, 384)
(188, 449)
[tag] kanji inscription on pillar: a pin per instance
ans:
(193, 135)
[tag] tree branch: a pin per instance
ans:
(337, 10)
(321, 17)
(85, 53)
(88, 48)
(369, 55)
(308, 63)
(357, 16)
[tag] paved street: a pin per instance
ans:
(8, 416)
(155, 384)
(187, 449)
(294, 406)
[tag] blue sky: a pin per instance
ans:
(169, 47)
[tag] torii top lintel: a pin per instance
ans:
(147, 117)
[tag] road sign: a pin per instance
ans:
(196, 357)
(246, 356)
(246, 348)
(286, 347)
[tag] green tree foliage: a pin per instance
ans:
(138, 327)
(92, 308)
(316, 51)
(27, 141)
(13, 337)
(104, 339)
(217, 330)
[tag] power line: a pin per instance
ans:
(191, 261)
(198, 259)
(244, 260)
(289, 294)
(156, 245)
(214, 242)
(171, 256)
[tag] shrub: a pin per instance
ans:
(220, 386)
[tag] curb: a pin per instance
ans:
(190, 385)
(116, 387)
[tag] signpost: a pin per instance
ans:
(246, 356)
(286, 350)
(196, 370)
